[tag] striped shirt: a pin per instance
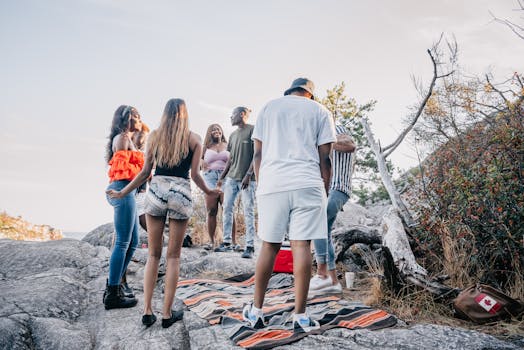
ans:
(342, 167)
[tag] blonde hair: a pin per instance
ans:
(169, 144)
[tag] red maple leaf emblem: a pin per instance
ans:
(487, 302)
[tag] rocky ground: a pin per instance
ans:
(51, 298)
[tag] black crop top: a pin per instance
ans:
(179, 170)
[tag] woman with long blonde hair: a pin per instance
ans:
(175, 152)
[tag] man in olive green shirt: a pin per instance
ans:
(239, 177)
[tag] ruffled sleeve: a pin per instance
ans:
(125, 165)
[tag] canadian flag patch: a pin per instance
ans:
(488, 303)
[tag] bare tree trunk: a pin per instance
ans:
(386, 178)
(394, 237)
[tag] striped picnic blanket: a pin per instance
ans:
(221, 302)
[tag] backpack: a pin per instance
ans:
(482, 303)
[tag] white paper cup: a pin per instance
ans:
(350, 279)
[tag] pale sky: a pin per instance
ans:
(67, 65)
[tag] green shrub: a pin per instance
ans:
(474, 191)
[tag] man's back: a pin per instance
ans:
(342, 165)
(291, 128)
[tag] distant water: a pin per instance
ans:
(74, 235)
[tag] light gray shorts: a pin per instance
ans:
(300, 213)
(140, 203)
(169, 196)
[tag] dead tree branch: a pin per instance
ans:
(514, 27)
(386, 151)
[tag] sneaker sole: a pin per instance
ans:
(121, 306)
(329, 291)
(301, 329)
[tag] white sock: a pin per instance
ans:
(297, 317)
(256, 311)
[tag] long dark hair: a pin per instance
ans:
(208, 140)
(119, 125)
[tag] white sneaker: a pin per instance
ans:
(318, 282)
(304, 325)
(334, 288)
(255, 321)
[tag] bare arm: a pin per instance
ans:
(203, 164)
(257, 158)
(344, 144)
(196, 146)
(224, 173)
(247, 177)
(122, 142)
(324, 154)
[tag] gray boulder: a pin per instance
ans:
(419, 337)
(103, 236)
(51, 298)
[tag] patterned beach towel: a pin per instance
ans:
(221, 302)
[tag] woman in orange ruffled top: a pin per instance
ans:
(125, 161)
(175, 152)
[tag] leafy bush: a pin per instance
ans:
(471, 201)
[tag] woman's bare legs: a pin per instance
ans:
(212, 209)
(155, 236)
(177, 230)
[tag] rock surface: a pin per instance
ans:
(51, 298)
(103, 235)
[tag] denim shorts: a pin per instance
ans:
(211, 177)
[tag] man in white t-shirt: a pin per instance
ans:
(292, 139)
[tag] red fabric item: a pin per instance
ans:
(125, 165)
(284, 261)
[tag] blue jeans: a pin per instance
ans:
(231, 189)
(126, 230)
(211, 177)
(324, 250)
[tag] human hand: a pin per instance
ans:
(219, 183)
(114, 194)
(245, 182)
(216, 192)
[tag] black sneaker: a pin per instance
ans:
(223, 247)
(175, 316)
(126, 290)
(188, 242)
(248, 253)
